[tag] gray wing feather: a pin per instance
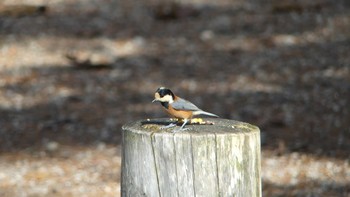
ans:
(182, 104)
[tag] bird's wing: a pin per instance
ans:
(182, 104)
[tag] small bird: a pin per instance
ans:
(178, 107)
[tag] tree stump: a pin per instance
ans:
(208, 160)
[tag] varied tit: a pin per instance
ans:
(178, 107)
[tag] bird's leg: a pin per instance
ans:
(182, 126)
(185, 122)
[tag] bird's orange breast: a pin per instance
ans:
(178, 113)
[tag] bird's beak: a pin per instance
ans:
(154, 100)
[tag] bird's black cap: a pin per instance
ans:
(165, 91)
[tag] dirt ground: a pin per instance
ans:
(74, 71)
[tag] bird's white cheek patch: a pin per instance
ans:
(166, 98)
(156, 96)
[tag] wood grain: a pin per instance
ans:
(208, 160)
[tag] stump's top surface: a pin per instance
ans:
(219, 126)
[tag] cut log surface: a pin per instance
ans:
(205, 161)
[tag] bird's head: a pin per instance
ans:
(164, 95)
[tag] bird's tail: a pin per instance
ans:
(205, 113)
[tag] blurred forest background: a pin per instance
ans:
(72, 72)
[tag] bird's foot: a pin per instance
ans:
(168, 126)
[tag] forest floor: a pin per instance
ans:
(74, 71)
